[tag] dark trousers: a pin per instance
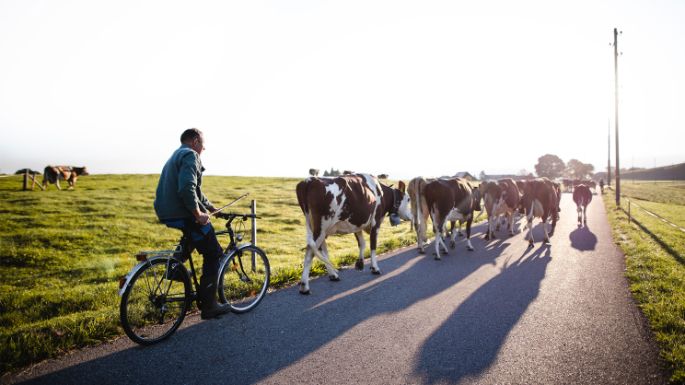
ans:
(203, 239)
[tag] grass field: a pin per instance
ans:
(655, 260)
(62, 252)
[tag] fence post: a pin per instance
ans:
(253, 209)
(629, 217)
(26, 179)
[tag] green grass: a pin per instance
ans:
(62, 253)
(655, 261)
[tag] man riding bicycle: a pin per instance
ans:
(180, 204)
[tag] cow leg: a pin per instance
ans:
(580, 214)
(57, 183)
(529, 224)
(585, 215)
(304, 283)
(453, 239)
(453, 235)
(359, 265)
(332, 271)
(421, 235)
(547, 235)
(459, 233)
(373, 237)
(469, 246)
(439, 230)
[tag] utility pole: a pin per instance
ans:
(618, 169)
(608, 152)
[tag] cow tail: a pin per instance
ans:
(301, 191)
(417, 212)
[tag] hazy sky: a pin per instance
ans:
(400, 87)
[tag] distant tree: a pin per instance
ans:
(576, 169)
(550, 166)
(333, 172)
(482, 175)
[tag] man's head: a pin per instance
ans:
(193, 138)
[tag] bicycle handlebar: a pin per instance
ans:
(234, 215)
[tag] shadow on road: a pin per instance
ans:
(583, 239)
(287, 327)
(469, 340)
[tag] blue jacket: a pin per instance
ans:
(179, 189)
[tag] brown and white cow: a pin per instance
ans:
(419, 210)
(541, 199)
(52, 174)
(505, 198)
(491, 193)
(451, 200)
(582, 196)
(344, 205)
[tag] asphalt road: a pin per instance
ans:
(502, 314)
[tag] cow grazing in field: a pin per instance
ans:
(541, 199)
(582, 196)
(52, 174)
(450, 200)
(313, 172)
(344, 205)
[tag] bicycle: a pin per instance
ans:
(156, 294)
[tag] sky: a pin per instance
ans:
(404, 88)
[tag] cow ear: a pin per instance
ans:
(403, 187)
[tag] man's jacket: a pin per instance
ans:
(179, 189)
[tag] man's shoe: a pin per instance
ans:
(209, 307)
(213, 310)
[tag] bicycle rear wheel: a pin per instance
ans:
(244, 280)
(153, 305)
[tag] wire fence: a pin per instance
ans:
(657, 216)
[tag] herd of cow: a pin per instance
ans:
(357, 203)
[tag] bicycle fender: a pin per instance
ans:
(135, 269)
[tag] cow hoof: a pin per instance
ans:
(359, 265)
(486, 237)
(304, 291)
(469, 248)
(460, 234)
(453, 245)
(375, 271)
(530, 245)
(422, 251)
(334, 278)
(437, 258)
(547, 242)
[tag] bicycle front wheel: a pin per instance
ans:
(244, 279)
(155, 301)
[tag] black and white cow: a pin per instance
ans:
(541, 199)
(451, 200)
(582, 196)
(347, 204)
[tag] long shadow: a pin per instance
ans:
(285, 328)
(658, 240)
(583, 239)
(469, 340)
